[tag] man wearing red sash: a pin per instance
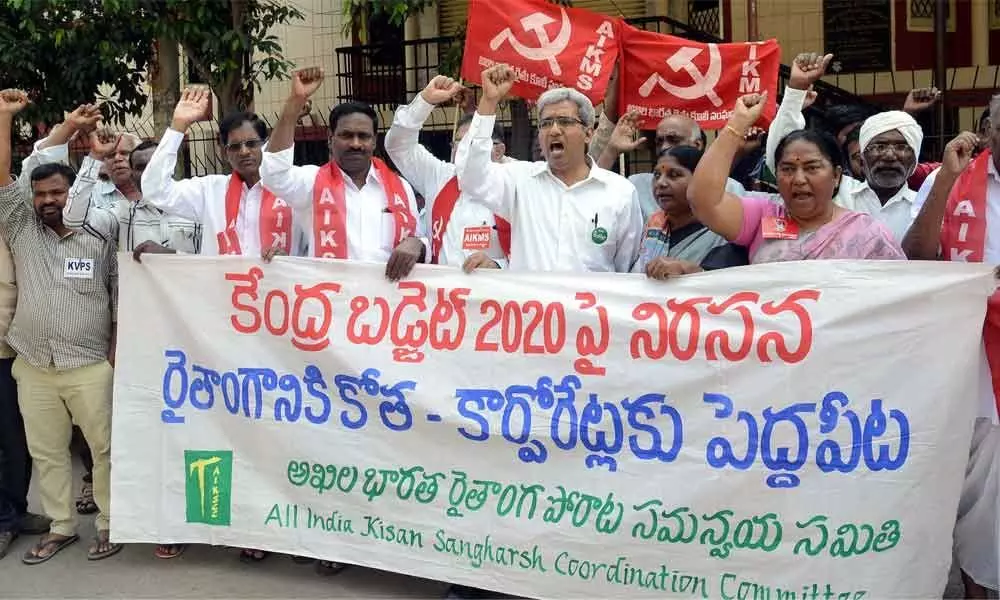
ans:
(462, 232)
(357, 208)
(960, 221)
(237, 213)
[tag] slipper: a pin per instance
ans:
(85, 504)
(328, 567)
(164, 551)
(249, 555)
(7, 539)
(31, 556)
(104, 537)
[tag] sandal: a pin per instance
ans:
(250, 556)
(168, 551)
(6, 541)
(103, 539)
(85, 504)
(51, 543)
(328, 567)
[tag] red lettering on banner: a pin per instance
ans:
(589, 343)
(678, 328)
(409, 340)
(731, 328)
(449, 304)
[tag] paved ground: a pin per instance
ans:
(202, 572)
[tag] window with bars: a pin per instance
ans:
(994, 14)
(920, 14)
(705, 15)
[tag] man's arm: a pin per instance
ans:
(277, 171)
(54, 148)
(622, 139)
(922, 241)
(629, 235)
(485, 182)
(807, 69)
(79, 212)
(422, 169)
(13, 207)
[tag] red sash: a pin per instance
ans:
(330, 209)
(444, 204)
(275, 220)
(963, 239)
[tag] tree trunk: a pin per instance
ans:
(165, 83)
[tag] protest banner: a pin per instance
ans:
(547, 45)
(791, 430)
(671, 75)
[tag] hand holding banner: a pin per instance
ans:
(701, 81)
(547, 45)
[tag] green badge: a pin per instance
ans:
(599, 235)
(209, 481)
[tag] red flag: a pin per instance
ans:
(547, 45)
(671, 75)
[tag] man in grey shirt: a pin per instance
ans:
(63, 332)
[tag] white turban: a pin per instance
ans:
(888, 121)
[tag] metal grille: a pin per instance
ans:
(924, 9)
(703, 15)
(996, 9)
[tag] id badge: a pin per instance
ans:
(779, 228)
(477, 238)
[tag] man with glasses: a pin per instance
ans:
(463, 233)
(356, 207)
(566, 213)
(135, 223)
(236, 213)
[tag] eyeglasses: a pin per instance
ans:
(884, 147)
(562, 122)
(249, 144)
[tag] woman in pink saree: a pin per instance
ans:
(805, 224)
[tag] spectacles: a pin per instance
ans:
(250, 145)
(562, 122)
(884, 147)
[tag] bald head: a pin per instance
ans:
(678, 130)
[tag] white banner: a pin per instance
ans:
(796, 429)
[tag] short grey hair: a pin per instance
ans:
(584, 105)
(995, 108)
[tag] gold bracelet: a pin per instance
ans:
(734, 132)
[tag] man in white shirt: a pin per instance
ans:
(356, 207)
(237, 214)
(890, 144)
(137, 225)
(566, 213)
(963, 225)
(463, 233)
(123, 187)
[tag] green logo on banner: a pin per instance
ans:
(209, 481)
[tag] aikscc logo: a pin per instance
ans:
(208, 476)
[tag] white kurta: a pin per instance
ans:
(371, 231)
(203, 200)
(428, 175)
(594, 225)
(977, 532)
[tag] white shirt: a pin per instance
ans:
(132, 222)
(854, 195)
(203, 200)
(991, 255)
(428, 175)
(371, 231)
(593, 225)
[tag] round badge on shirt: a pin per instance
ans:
(599, 235)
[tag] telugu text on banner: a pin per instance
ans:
(796, 429)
